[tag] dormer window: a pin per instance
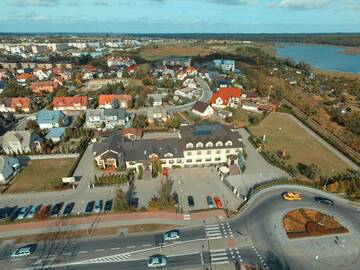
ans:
(219, 144)
(199, 145)
(189, 146)
(228, 143)
(168, 155)
(209, 144)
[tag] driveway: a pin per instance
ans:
(258, 170)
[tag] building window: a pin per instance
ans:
(208, 160)
(189, 161)
(218, 159)
(208, 152)
(209, 144)
(178, 161)
(237, 150)
(218, 151)
(189, 146)
(171, 161)
(219, 144)
(199, 145)
(199, 160)
(228, 143)
(227, 151)
(198, 153)
(189, 153)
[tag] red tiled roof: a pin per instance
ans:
(44, 86)
(22, 102)
(24, 76)
(135, 131)
(108, 99)
(70, 101)
(226, 94)
(133, 67)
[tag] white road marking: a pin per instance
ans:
(131, 247)
(99, 250)
(146, 245)
(83, 251)
(116, 248)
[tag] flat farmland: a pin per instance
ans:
(283, 133)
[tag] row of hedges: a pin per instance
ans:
(111, 179)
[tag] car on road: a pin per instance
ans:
(33, 211)
(191, 201)
(171, 235)
(89, 207)
(98, 206)
(68, 209)
(23, 212)
(324, 200)
(55, 209)
(218, 202)
(157, 261)
(108, 206)
(210, 202)
(291, 196)
(23, 251)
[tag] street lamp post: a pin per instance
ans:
(316, 260)
(208, 240)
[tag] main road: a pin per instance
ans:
(255, 236)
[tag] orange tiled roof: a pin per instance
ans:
(226, 94)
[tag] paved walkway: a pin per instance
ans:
(110, 220)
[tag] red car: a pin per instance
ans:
(218, 202)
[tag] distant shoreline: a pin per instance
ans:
(351, 51)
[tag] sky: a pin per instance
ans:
(180, 16)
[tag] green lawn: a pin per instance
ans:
(282, 132)
(41, 175)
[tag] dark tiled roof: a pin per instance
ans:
(200, 106)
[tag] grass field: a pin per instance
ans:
(165, 51)
(282, 132)
(41, 175)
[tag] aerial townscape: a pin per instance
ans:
(200, 135)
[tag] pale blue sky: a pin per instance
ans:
(174, 16)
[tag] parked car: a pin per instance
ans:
(157, 261)
(98, 206)
(210, 202)
(172, 235)
(14, 214)
(89, 207)
(23, 251)
(108, 206)
(191, 201)
(68, 209)
(33, 211)
(324, 201)
(43, 212)
(218, 203)
(291, 196)
(55, 209)
(23, 212)
(10, 210)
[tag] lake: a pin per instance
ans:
(321, 57)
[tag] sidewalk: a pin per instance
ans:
(110, 220)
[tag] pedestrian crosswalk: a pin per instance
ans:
(218, 231)
(219, 256)
(109, 259)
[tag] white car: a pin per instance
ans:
(172, 235)
(157, 261)
(98, 206)
(23, 212)
(22, 252)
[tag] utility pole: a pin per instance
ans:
(208, 240)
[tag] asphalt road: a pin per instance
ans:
(257, 233)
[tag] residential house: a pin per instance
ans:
(16, 104)
(108, 118)
(157, 114)
(252, 96)
(114, 101)
(132, 133)
(202, 109)
(217, 84)
(190, 83)
(44, 87)
(21, 142)
(120, 61)
(224, 114)
(42, 74)
(51, 119)
(77, 103)
(191, 71)
(133, 68)
(24, 78)
(224, 65)
(186, 92)
(181, 75)
(156, 99)
(56, 134)
(250, 106)
(226, 97)
(8, 168)
(195, 146)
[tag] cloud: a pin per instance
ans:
(47, 3)
(302, 4)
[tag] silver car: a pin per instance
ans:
(157, 261)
